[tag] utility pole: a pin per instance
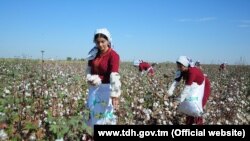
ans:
(42, 91)
(42, 61)
(42, 54)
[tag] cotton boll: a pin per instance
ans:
(32, 137)
(164, 122)
(61, 139)
(166, 103)
(160, 112)
(230, 99)
(218, 123)
(141, 100)
(6, 91)
(3, 135)
(155, 104)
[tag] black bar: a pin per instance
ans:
(173, 132)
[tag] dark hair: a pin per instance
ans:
(181, 64)
(100, 35)
(178, 63)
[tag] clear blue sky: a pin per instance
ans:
(211, 31)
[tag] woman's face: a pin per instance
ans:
(102, 44)
(181, 68)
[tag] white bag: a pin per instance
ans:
(100, 105)
(192, 105)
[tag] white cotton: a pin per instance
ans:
(6, 91)
(61, 139)
(142, 73)
(94, 79)
(89, 78)
(3, 135)
(32, 137)
(141, 100)
(115, 84)
(97, 80)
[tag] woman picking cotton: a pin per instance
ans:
(195, 93)
(103, 79)
(145, 67)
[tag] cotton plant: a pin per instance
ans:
(33, 101)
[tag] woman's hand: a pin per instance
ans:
(94, 80)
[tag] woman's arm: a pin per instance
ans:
(115, 83)
(175, 83)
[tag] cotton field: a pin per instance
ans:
(46, 100)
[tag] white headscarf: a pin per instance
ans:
(93, 52)
(105, 32)
(137, 62)
(185, 61)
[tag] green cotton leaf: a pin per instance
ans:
(29, 101)
(59, 135)
(2, 108)
(64, 130)
(59, 129)
(16, 138)
(3, 118)
(77, 78)
(49, 113)
(54, 128)
(30, 126)
(74, 120)
(49, 83)
(86, 111)
(6, 100)
(84, 127)
(14, 117)
(2, 101)
(61, 95)
(60, 80)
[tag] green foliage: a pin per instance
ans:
(30, 126)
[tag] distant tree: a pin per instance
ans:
(69, 59)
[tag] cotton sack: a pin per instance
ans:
(192, 104)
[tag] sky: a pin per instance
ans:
(211, 31)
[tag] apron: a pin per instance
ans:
(100, 105)
(192, 105)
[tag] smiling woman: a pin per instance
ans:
(103, 79)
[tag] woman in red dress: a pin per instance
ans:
(144, 67)
(103, 79)
(191, 75)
